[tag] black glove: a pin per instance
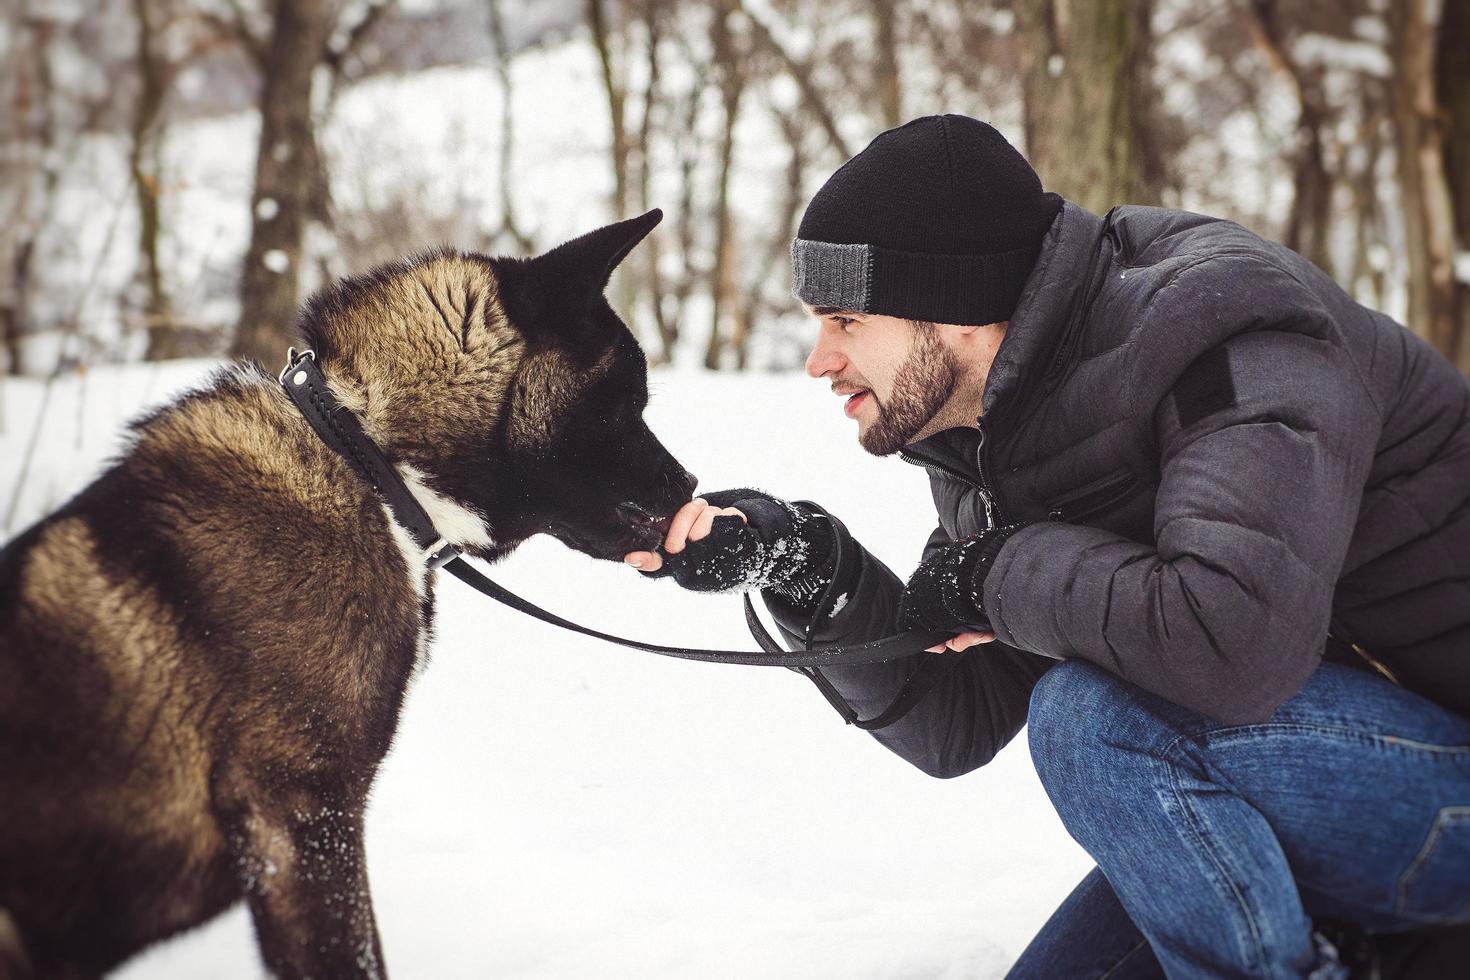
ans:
(947, 590)
(779, 546)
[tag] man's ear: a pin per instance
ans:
(554, 291)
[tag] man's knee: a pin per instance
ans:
(1065, 699)
(1086, 727)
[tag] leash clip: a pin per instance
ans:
(293, 358)
(440, 553)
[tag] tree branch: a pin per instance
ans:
(336, 58)
(801, 73)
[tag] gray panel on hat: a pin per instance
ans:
(836, 276)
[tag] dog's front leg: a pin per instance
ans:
(305, 876)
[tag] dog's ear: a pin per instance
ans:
(592, 257)
(555, 294)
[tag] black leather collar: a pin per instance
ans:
(339, 429)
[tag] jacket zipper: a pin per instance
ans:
(987, 496)
(1099, 500)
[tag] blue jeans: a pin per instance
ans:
(1217, 845)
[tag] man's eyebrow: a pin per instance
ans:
(833, 311)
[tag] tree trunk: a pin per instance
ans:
(1081, 63)
(1307, 226)
(1452, 88)
(35, 147)
(288, 174)
(772, 264)
(723, 294)
(885, 41)
(688, 149)
(1424, 186)
(143, 160)
(509, 227)
(615, 89)
(1366, 282)
(650, 13)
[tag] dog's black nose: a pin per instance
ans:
(690, 482)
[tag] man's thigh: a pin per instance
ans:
(1367, 787)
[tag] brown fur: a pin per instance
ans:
(204, 654)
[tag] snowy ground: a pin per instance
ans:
(560, 808)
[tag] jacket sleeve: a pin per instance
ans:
(1264, 446)
(974, 709)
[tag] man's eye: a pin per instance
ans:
(844, 321)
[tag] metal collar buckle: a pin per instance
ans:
(293, 358)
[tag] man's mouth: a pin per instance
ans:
(855, 402)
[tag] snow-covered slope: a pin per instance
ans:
(559, 808)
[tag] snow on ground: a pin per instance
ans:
(555, 807)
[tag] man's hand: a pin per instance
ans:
(693, 522)
(737, 540)
(962, 642)
(946, 591)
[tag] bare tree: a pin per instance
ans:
(814, 100)
(686, 109)
(885, 55)
(1424, 185)
(1311, 211)
(292, 189)
(143, 160)
(1081, 65)
(615, 87)
(768, 267)
(286, 178)
(509, 227)
(49, 115)
(652, 16)
(1452, 88)
(729, 70)
(31, 141)
(157, 65)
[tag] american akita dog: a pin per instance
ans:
(203, 655)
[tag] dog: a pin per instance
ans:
(203, 655)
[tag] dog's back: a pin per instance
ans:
(194, 631)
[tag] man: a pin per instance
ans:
(1177, 458)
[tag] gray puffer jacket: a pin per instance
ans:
(1228, 469)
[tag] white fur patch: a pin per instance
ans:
(413, 555)
(456, 523)
(418, 575)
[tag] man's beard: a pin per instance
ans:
(921, 387)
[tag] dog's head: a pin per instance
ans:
(508, 393)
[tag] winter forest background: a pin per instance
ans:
(178, 174)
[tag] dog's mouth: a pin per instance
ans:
(632, 528)
(648, 529)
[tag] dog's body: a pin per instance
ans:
(203, 655)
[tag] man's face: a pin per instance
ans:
(896, 374)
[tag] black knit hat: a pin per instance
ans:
(940, 220)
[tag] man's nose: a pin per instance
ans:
(823, 360)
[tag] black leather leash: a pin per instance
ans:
(339, 429)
